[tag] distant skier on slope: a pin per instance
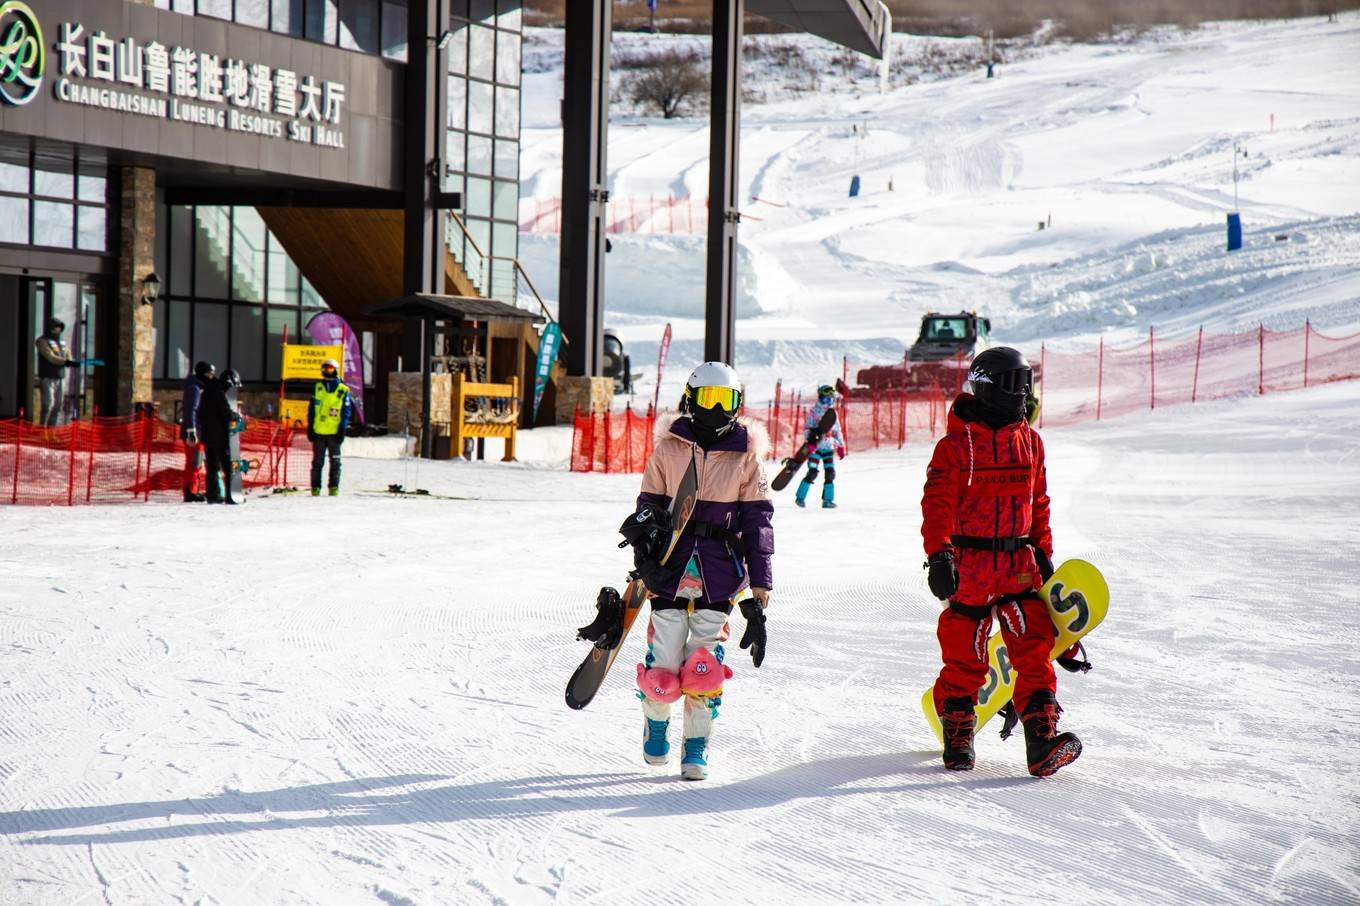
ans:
(985, 525)
(726, 551)
(830, 447)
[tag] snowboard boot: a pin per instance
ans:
(1046, 748)
(655, 748)
(828, 496)
(316, 492)
(801, 497)
(958, 720)
(828, 504)
(694, 766)
(334, 492)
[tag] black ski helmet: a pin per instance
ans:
(230, 378)
(1001, 380)
(55, 324)
(204, 370)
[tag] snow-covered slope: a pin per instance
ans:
(359, 701)
(1127, 149)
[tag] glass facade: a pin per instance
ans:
(229, 291)
(53, 196)
(481, 143)
(368, 26)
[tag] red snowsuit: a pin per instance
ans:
(985, 484)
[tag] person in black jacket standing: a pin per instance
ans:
(216, 418)
(194, 385)
(54, 358)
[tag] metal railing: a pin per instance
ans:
(480, 267)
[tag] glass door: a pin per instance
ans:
(36, 296)
(13, 342)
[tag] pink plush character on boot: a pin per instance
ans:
(703, 674)
(658, 685)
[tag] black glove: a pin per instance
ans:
(606, 630)
(814, 436)
(1045, 564)
(754, 636)
(339, 439)
(311, 435)
(944, 575)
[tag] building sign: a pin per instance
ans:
(304, 362)
(186, 85)
(22, 54)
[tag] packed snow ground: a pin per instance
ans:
(360, 700)
(1128, 147)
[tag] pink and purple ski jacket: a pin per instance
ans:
(734, 494)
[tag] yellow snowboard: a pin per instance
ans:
(1078, 600)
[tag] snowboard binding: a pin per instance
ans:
(606, 630)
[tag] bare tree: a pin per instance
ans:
(668, 81)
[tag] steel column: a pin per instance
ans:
(423, 247)
(585, 183)
(723, 214)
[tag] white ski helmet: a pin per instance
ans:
(714, 374)
(330, 363)
(712, 397)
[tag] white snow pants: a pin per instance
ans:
(675, 635)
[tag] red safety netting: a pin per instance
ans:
(869, 419)
(1075, 387)
(1109, 382)
(125, 458)
(611, 441)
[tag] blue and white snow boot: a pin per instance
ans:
(655, 748)
(694, 766)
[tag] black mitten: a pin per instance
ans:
(606, 630)
(944, 575)
(754, 636)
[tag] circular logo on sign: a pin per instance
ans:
(21, 53)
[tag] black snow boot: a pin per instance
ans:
(1046, 748)
(958, 720)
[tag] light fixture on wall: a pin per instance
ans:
(151, 288)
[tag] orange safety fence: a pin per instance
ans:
(611, 441)
(1159, 372)
(1074, 387)
(125, 458)
(868, 419)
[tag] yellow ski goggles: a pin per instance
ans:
(725, 398)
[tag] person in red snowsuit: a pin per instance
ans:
(985, 524)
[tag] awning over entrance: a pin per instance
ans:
(451, 308)
(856, 24)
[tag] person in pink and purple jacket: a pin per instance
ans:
(722, 560)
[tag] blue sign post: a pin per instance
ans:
(547, 354)
(1234, 231)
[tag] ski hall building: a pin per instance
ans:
(186, 180)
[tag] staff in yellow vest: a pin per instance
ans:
(327, 418)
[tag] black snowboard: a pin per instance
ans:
(792, 465)
(588, 678)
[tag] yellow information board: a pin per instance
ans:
(304, 362)
(294, 412)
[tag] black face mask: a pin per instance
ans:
(710, 425)
(999, 408)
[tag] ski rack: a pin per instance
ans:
(485, 418)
